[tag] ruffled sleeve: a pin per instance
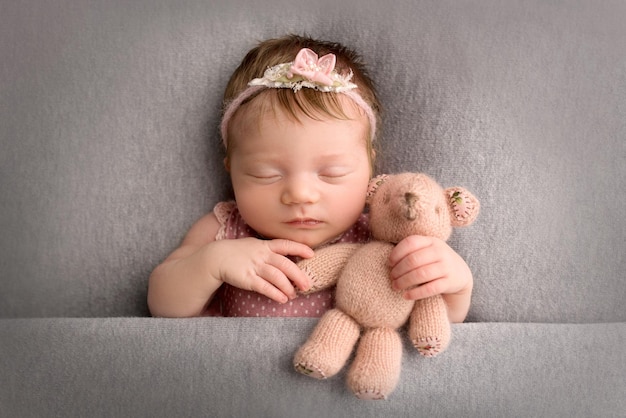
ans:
(223, 212)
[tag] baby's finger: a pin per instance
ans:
(407, 246)
(287, 247)
(413, 261)
(278, 278)
(424, 291)
(418, 277)
(291, 272)
(271, 284)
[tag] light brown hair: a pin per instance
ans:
(307, 102)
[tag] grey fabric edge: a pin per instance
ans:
(242, 367)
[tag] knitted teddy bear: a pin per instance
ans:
(366, 306)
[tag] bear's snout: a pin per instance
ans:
(410, 200)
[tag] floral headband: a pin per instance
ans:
(307, 71)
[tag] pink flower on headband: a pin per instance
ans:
(312, 68)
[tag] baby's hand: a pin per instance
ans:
(262, 266)
(425, 266)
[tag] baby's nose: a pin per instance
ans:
(299, 191)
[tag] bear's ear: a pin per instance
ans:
(464, 206)
(374, 185)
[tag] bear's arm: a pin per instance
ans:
(325, 266)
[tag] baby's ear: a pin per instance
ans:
(374, 185)
(464, 206)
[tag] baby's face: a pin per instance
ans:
(304, 180)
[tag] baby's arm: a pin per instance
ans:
(426, 266)
(185, 283)
(324, 268)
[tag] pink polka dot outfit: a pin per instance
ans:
(232, 301)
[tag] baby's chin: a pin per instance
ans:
(310, 240)
(318, 242)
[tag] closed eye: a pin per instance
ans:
(334, 173)
(265, 177)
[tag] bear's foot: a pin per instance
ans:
(428, 346)
(310, 370)
(429, 327)
(370, 395)
(375, 370)
(329, 346)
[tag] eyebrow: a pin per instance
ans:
(337, 157)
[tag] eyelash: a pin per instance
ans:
(266, 178)
(332, 175)
(324, 175)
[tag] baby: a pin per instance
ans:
(299, 128)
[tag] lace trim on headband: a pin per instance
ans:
(308, 70)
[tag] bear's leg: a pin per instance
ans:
(376, 367)
(429, 326)
(329, 346)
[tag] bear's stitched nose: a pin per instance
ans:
(410, 200)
